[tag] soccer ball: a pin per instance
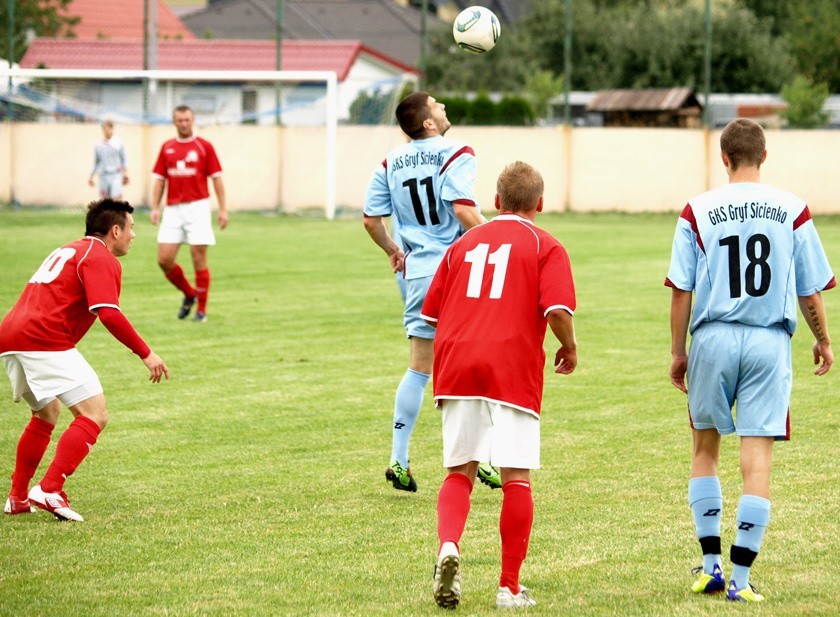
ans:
(476, 30)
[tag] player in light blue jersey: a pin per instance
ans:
(110, 162)
(427, 186)
(748, 253)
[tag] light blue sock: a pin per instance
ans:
(753, 518)
(406, 409)
(706, 501)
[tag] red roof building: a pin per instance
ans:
(208, 55)
(122, 19)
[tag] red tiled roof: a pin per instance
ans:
(208, 55)
(123, 19)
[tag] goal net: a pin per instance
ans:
(275, 131)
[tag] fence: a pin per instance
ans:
(270, 167)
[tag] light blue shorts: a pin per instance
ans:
(731, 362)
(415, 294)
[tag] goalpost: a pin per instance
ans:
(138, 97)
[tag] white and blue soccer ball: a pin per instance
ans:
(476, 30)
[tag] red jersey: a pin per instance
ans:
(186, 164)
(489, 298)
(56, 307)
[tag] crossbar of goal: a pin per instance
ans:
(153, 76)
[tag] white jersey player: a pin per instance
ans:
(110, 163)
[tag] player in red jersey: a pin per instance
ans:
(74, 285)
(184, 165)
(488, 380)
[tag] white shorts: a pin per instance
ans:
(110, 184)
(40, 377)
(187, 223)
(489, 432)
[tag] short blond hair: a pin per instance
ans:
(519, 187)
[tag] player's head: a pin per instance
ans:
(743, 143)
(183, 118)
(104, 216)
(108, 128)
(519, 189)
(421, 116)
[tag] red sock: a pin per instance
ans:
(177, 278)
(515, 526)
(453, 507)
(73, 446)
(202, 286)
(30, 450)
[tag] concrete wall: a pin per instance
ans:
(592, 169)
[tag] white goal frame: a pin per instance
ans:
(153, 76)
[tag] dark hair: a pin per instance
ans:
(182, 108)
(412, 111)
(742, 141)
(102, 215)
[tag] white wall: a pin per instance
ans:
(266, 167)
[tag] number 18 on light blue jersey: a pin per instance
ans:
(747, 250)
(418, 183)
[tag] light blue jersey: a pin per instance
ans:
(417, 184)
(747, 250)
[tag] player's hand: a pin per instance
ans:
(222, 217)
(90, 182)
(397, 261)
(823, 350)
(125, 179)
(157, 367)
(154, 216)
(565, 361)
(679, 367)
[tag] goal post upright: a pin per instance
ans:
(329, 78)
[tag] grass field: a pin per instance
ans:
(252, 482)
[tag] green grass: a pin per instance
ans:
(252, 482)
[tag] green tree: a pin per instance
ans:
(371, 108)
(624, 44)
(515, 111)
(812, 31)
(805, 101)
(661, 45)
(482, 111)
(542, 86)
(41, 18)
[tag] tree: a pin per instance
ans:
(371, 108)
(542, 86)
(39, 18)
(624, 44)
(660, 45)
(813, 35)
(805, 101)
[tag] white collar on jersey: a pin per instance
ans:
(512, 217)
(97, 239)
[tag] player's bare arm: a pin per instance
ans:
(376, 229)
(680, 316)
(468, 215)
(562, 325)
(157, 193)
(222, 216)
(813, 310)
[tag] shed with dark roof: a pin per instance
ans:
(655, 107)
